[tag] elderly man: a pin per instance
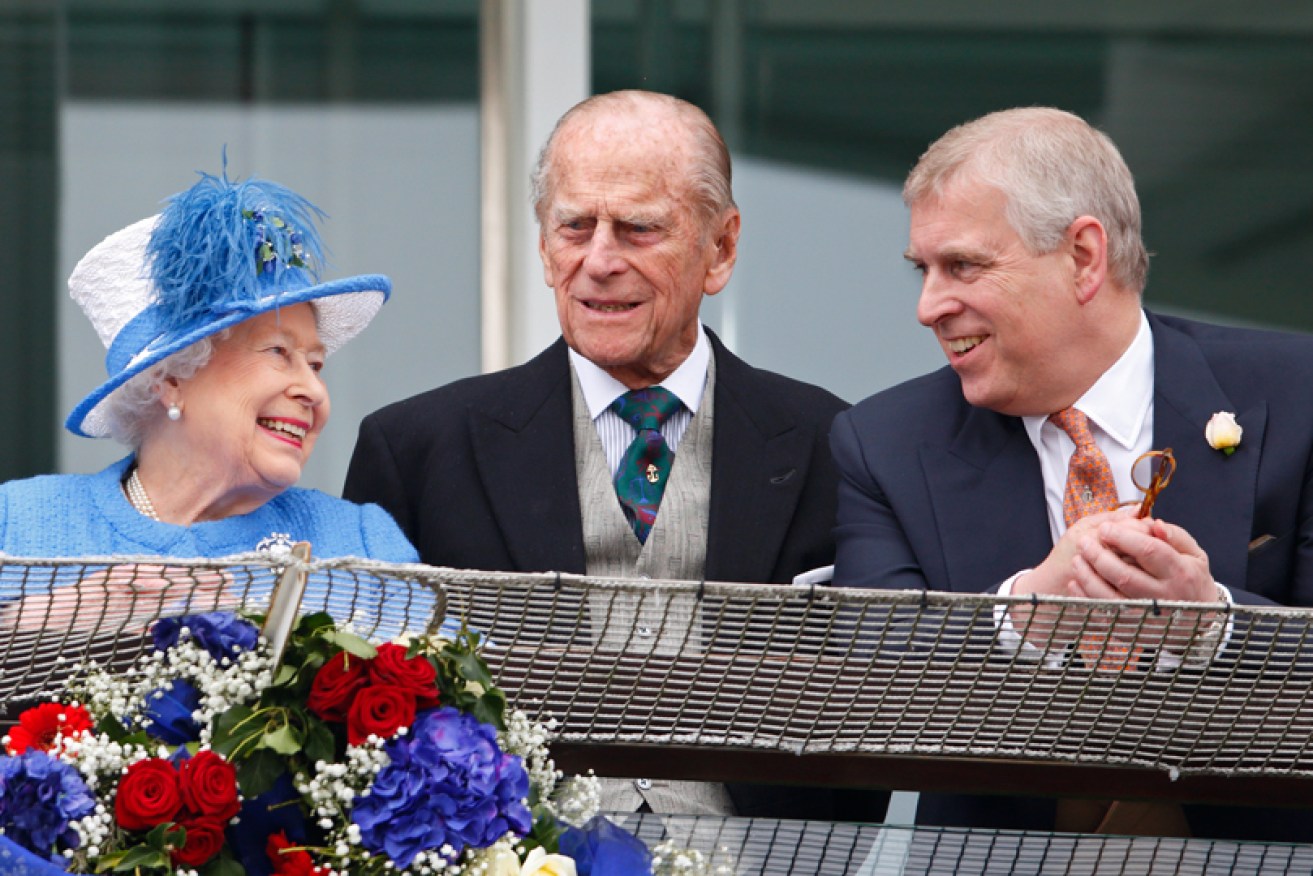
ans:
(636, 445)
(997, 472)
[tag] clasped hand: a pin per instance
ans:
(1115, 556)
(120, 597)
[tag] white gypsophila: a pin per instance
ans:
(668, 859)
(333, 789)
(101, 762)
(577, 799)
(530, 739)
(221, 684)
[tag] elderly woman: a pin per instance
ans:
(217, 327)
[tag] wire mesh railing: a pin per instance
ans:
(1204, 689)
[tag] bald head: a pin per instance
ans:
(694, 148)
(1052, 167)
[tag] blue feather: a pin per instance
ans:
(223, 243)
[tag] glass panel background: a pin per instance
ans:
(367, 108)
(834, 100)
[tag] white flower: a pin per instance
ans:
(1223, 432)
(502, 861)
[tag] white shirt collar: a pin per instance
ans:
(687, 381)
(1121, 398)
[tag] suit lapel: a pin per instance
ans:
(1212, 494)
(987, 496)
(524, 451)
(760, 458)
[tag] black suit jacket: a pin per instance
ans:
(938, 494)
(480, 474)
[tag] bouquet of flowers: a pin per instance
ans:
(207, 758)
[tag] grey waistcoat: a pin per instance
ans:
(676, 548)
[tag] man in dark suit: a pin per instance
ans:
(1025, 227)
(514, 471)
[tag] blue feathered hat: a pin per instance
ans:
(220, 253)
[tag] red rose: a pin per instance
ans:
(381, 710)
(335, 685)
(209, 786)
(38, 725)
(416, 675)
(288, 859)
(204, 840)
(148, 795)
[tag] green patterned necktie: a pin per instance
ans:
(641, 478)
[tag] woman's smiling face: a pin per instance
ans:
(254, 411)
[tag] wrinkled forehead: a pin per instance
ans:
(611, 150)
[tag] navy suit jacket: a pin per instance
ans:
(480, 474)
(935, 493)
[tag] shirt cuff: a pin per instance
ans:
(1207, 647)
(1011, 641)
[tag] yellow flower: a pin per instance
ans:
(539, 863)
(1223, 432)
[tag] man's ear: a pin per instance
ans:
(1089, 253)
(548, 278)
(725, 251)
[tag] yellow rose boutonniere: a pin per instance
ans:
(1223, 432)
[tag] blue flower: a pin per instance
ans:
(220, 633)
(40, 797)
(600, 848)
(170, 712)
(448, 784)
(260, 818)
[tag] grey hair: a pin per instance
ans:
(710, 174)
(130, 408)
(1053, 167)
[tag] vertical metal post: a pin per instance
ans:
(534, 65)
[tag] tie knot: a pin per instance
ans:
(646, 409)
(1075, 424)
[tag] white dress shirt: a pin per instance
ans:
(1120, 408)
(600, 390)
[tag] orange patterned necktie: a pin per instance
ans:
(1090, 490)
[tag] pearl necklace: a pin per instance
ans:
(138, 496)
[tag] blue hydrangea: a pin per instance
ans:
(40, 797)
(220, 633)
(448, 784)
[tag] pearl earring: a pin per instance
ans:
(175, 413)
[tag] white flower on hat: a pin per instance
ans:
(1223, 432)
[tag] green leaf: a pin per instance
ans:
(350, 643)
(319, 743)
(142, 858)
(112, 727)
(284, 740)
(491, 709)
(472, 668)
(167, 834)
(223, 865)
(312, 622)
(286, 672)
(258, 772)
(233, 728)
(108, 862)
(546, 832)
